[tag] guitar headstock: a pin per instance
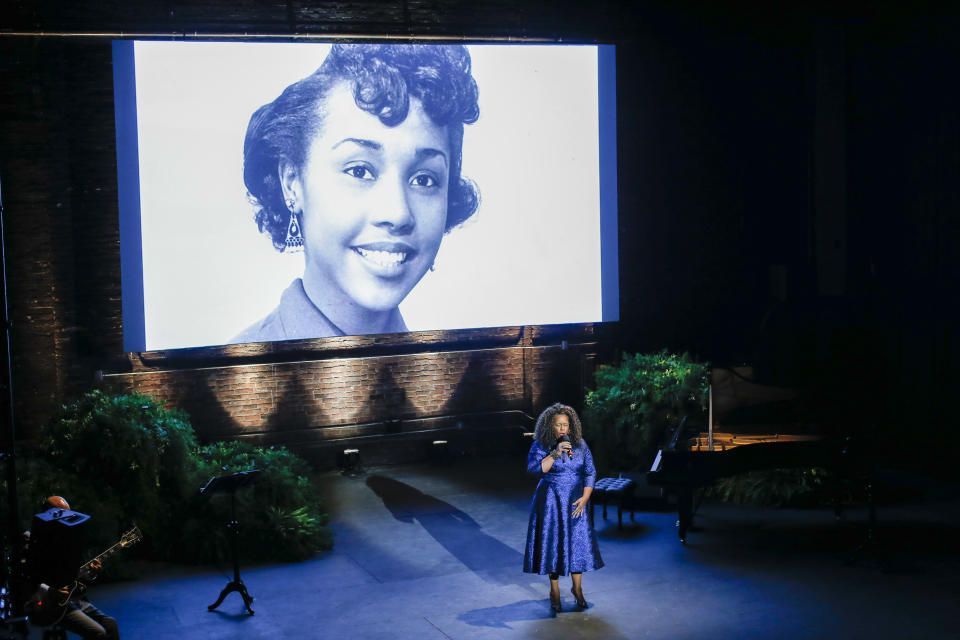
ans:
(130, 538)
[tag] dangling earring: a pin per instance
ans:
(294, 240)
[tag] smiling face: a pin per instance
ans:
(374, 204)
(561, 425)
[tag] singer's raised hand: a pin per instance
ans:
(565, 448)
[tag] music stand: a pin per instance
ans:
(230, 484)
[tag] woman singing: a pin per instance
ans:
(560, 538)
(359, 164)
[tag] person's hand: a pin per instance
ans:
(63, 591)
(91, 570)
(565, 448)
(579, 504)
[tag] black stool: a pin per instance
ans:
(56, 632)
(606, 488)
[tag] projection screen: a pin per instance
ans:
(373, 190)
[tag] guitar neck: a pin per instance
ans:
(104, 555)
(123, 543)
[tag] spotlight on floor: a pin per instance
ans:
(350, 462)
(440, 452)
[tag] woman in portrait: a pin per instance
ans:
(560, 537)
(359, 165)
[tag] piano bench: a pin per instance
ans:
(607, 489)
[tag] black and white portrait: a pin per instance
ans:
(292, 191)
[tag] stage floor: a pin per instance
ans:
(435, 552)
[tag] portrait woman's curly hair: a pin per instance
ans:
(544, 433)
(383, 78)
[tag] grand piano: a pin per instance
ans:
(693, 458)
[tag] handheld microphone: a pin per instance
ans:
(566, 439)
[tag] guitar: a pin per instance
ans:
(48, 606)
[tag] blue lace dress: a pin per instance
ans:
(557, 542)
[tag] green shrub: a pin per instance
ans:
(281, 516)
(120, 458)
(636, 401)
(124, 459)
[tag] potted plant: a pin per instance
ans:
(636, 402)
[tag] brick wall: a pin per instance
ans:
(257, 398)
(58, 167)
(321, 405)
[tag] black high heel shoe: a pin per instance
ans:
(556, 605)
(581, 602)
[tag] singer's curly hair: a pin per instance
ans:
(544, 433)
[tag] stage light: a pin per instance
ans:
(350, 462)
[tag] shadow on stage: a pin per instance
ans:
(524, 610)
(453, 529)
(500, 617)
(240, 615)
(610, 531)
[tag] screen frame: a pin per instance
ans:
(128, 174)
